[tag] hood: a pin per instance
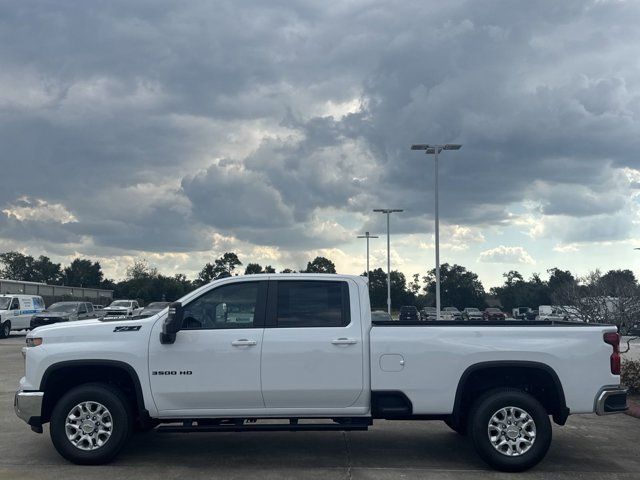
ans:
(47, 314)
(43, 330)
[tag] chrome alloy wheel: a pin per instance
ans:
(89, 425)
(512, 431)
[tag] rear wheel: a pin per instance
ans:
(510, 430)
(5, 330)
(91, 424)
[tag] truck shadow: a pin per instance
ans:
(388, 445)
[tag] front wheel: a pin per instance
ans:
(91, 424)
(510, 430)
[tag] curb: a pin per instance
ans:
(634, 409)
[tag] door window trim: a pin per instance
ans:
(271, 320)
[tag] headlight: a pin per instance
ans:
(34, 341)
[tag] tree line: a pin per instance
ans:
(590, 297)
(142, 281)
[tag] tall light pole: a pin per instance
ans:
(435, 150)
(367, 236)
(388, 212)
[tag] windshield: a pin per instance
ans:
(120, 303)
(451, 309)
(472, 310)
(4, 303)
(63, 307)
(492, 310)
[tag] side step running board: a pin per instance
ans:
(252, 427)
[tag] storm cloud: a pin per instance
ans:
(158, 126)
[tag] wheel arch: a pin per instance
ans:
(62, 376)
(547, 387)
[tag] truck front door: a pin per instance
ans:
(313, 352)
(214, 363)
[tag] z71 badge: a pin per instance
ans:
(128, 328)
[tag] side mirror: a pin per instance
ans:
(172, 324)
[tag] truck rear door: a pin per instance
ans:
(312, 351)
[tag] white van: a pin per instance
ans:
(16, 312)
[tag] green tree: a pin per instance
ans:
(378, 289)
(17, 266)
(287, 270)
(616, 283)
(559, 281)
(320, 265)
(83, 273)
(45, 271)
(459, 287)
(517, 292)
(227, 263)
(141, 269)
(269, 269)
(253, 268)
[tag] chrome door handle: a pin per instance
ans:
(344, 341)
(243, 342)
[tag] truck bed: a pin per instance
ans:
(426, 360)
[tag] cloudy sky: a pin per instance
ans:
(177, 131)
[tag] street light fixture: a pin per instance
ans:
(388, 212)
(435, 150)
(367, 236)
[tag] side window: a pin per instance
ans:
(228, 306)
(82, 308)
(15, 304)
(312, 304)
(89, 308)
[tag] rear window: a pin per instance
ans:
(313, 304)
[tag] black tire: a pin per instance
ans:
(5, 329)
(485, 408)
(121, 416)
(453, 425)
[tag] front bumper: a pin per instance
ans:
(611, 400)
(28, 407)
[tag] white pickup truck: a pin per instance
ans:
(300, 352)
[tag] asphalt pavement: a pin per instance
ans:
(588, 447)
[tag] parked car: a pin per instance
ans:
(63, 312)
(471, 313)
(551, 313)
(450, 313)
(121, 308)
(493, 313)
(311, 353)
(152, 309)
(520, 313)
(98, 310)
(409, 313)
(531, 315)
(16, 312)
(380, 316)
(428, 314)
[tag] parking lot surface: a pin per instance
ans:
(588, 447)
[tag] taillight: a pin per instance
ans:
(613, 339)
